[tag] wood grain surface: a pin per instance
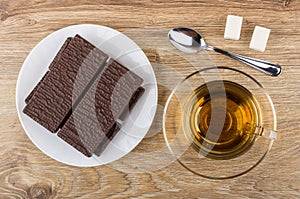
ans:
(25, 172)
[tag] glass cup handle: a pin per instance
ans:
(266, 133)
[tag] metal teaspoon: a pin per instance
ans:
(189, 41)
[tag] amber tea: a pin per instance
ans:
(231, 130)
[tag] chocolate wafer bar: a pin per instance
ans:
(69, 75)
(121, 84)
(95, 116)
(56, 58)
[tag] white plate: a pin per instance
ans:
(117, 46)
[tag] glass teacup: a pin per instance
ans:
(219, 123)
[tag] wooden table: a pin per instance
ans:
(25, 172)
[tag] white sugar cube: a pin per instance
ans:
(233, 27)
(259, 38)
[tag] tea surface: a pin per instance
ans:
(220, 118)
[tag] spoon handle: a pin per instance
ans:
(266, 67)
